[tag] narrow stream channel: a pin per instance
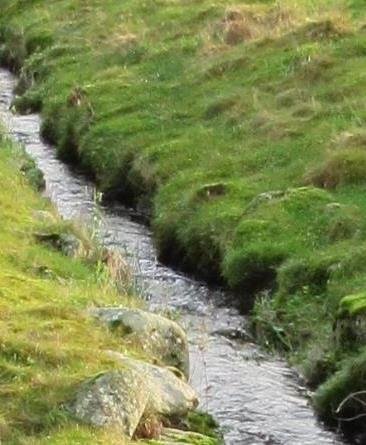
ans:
(255, 397)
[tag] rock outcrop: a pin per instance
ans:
(120, 398)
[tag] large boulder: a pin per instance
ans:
(168, 394)
(116, 398)
(121, 397)
(158, 336)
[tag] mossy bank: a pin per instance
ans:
(53, 275)
(240, 127)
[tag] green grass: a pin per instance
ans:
(239, 123)
(48, 345)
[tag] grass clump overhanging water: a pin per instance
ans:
(51, 273)
(238, 125)
(47, 345)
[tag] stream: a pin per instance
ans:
(256, 398)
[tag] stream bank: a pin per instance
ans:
(81, 360)
(254, 161)
(256, 398)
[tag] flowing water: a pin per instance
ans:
(256, 398)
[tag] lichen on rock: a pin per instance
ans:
(158, 336)
(120, 398)
(168, 394)
(116, 398)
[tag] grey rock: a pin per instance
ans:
(210, 191)
(67, 243)
(168, 394)
(70, 244)
(117, 398)
(160, 337)
(265, 197)
(234, 334)
(120, 398)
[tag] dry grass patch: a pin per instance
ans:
(273, 125)
(306, 110)
(341, 168)
(244, 23)
(291, 97)
(355, 138)
(329, 27)
(316, 67)
(122, 40)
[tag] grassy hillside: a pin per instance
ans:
(241, 126)
(48, 344)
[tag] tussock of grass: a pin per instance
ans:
(248, 22)
(342, 168)
(335, 396)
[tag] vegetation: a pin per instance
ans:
(239, 126)
(48, 343)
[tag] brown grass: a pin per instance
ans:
(329, 28)
(121, 41)
(117, 267)
(355, 138)
(341, 168)
(242, 23)
(291, 97)
(150, 427)
(247, 23)
(316, 67)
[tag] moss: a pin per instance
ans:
(203, 423)
(352, 305)
(199, 429)
(186, 438)
(254, 269)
